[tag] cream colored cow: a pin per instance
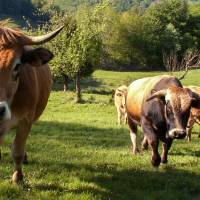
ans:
(120, 103)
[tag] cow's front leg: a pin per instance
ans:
(152, 140)
(154, 143)
(18, 149)
(119, 116)
(145, 144)
(166, 147)
(125, 118)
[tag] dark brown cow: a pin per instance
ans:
(25, 84)
(161, 106)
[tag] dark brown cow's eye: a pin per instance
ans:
(15, 73)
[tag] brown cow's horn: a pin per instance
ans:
(37, 40)
(158, 94)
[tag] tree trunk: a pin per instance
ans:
(78, 89)
(66, 81)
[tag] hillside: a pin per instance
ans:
(120, 5)
(20, 9)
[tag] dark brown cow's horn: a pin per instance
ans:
(158, 94)
(37, 40)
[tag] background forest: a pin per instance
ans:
(120, 35)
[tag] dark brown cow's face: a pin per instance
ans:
(177, 110)
(178, 102)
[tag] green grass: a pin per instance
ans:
(77, 151)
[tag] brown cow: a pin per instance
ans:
(25, 84)
(194, 114)
(161, 106)
(120, 99)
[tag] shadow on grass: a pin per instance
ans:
(106, 180)
(83, 135)
(114, 181)
(90, 85)
(127, 184)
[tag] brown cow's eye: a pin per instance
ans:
(15, 74)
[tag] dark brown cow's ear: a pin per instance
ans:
(37, 57)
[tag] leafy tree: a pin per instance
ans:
(77, 48)
(164, 24)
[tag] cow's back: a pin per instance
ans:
(141, 89)
(33, 92)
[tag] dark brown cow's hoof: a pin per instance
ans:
(164, 161)
(156, 161)
(145, 147)
(25, 162)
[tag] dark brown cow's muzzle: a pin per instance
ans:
(177, 134)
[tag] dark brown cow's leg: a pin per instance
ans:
(152, 141)
(145, 144)
(133, 136)
(18, 149)
(166, 147)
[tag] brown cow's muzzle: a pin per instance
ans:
(177, 134)
(2, 112)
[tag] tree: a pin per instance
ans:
(172, 62)
(164, 23)
(77, 48)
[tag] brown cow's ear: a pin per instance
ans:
(37, 57)
(195, 100)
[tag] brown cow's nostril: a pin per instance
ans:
(2, 111)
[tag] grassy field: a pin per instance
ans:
(78, 152)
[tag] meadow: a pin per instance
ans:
(78, 152)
